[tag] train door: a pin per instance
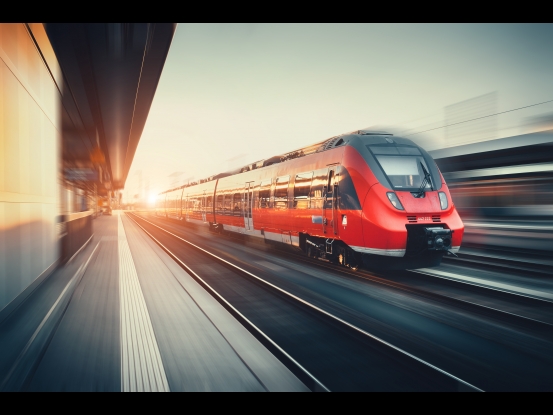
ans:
(186, 204)
(180, 205)
(204, 207)
(248, 204)
(330, 214)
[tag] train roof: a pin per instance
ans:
(367, 136)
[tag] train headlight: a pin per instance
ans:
(394, 200)
(443, 200)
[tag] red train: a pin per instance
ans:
(363, 198)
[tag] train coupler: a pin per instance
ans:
(438, 239)
(421, 239)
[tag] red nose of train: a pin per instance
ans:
(409, 225)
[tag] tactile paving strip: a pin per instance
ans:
(141, 365)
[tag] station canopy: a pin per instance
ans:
(110, 74)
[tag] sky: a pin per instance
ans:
(232, 94)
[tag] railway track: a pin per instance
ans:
(467, 299)
(501, 263)
(525, 313)
(461, 301)
(397, 280)
(516, 323)
(324, 350)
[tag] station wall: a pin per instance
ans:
(29, 159)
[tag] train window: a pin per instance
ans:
(196, 204)
(237, 204)
(219, 204)
(319, 182)
(209, 202)
(330, 181)
(403, 151)
(281, 192)
(404, 172)
(329, 190)
(227, 205)
(409, 151)
(302, 187)
(347, 196)
(383, 150)
(264, 194)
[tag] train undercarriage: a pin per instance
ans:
(426, 245)
(330, 250)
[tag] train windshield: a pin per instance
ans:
(404, 171)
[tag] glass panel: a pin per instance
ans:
(264, 194)
(409, 151)
(196, 204)
(404, 171)
(227, 205)
(281, 192)
(316, 194)
(347, 195)
(248, 201)
(383, 150)
(330, 190)
(302, 187)
(237, 204)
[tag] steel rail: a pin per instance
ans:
(461, 303)
(483, 286)
(430, 294)
(438, 296)
(495, 263)
(366, 275)
(305, 303)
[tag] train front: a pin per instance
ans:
(408, 217)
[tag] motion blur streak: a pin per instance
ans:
(503, 190)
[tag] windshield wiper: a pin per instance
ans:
(427, 179)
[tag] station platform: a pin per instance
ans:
(121, 315)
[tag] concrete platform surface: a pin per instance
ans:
(123, 316)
